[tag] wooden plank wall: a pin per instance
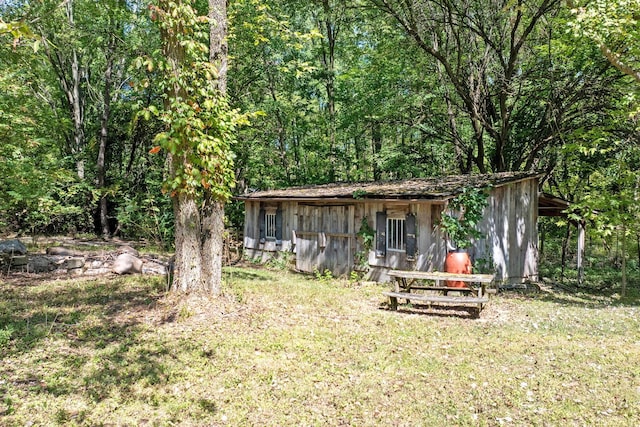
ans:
(511, 233)
(252, 246)
(338, 256)
(430, 245)
(251, 227)
(510, 229)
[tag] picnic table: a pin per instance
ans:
(406, 282)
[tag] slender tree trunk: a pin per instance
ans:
(69, 73)
(75, 100)
(541, 249)
(281, 128)
(331, 29)
(623, 292)
(218, 49)
(565, 250)
(212, 213)
(104, 133)
(581, 243)
(638, 246)
(376, 147)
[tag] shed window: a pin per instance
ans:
(395, 234)
(270, 225)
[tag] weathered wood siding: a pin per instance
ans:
(430, 245)
(253, 247)
(323, 236)
(511, 232)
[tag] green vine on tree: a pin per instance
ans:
(200, 125)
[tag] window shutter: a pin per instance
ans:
(410, 236)
(262, 220)
(279, 225)
(381, 234)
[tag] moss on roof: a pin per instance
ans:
(435, 188)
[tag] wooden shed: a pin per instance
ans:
(319, 225)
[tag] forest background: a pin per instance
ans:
(334, 91)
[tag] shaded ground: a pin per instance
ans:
(282, 349)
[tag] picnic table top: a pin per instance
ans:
(441, 275)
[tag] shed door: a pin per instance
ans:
(325, 239)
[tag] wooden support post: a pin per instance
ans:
(581, 242)
(393, 302)
(624, 260)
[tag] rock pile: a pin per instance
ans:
(64, 260)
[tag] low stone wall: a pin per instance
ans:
(61, 260)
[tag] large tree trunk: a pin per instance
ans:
(187, 267)
(212, 216)
(212, 213)
(187, 273)
(199, 224)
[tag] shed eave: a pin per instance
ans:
(418, 189)
(390, 199)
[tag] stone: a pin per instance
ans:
(97, 271)
(127, 264)
(73, 263)
(153, 267)
(13, 246)
(60, 251)
(126, 249)
(75, 271)
(94, 264)
(41, 264)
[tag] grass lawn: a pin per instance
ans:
(285, 350)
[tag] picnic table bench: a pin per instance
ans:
(407, 281)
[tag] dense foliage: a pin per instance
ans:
(336, 91)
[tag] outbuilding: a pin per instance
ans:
(327, 227)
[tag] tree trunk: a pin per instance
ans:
(376, 147)
(187, 274)
(623, 291)
(565, 250)
(69, 73)
(212, 242)
(212, 213)
(331, 29)
(199, 224)
(75, 101)
(638, 246)
(102, 149)
(541, 248)
(218, 47)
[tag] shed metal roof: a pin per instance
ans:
(434, 188)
